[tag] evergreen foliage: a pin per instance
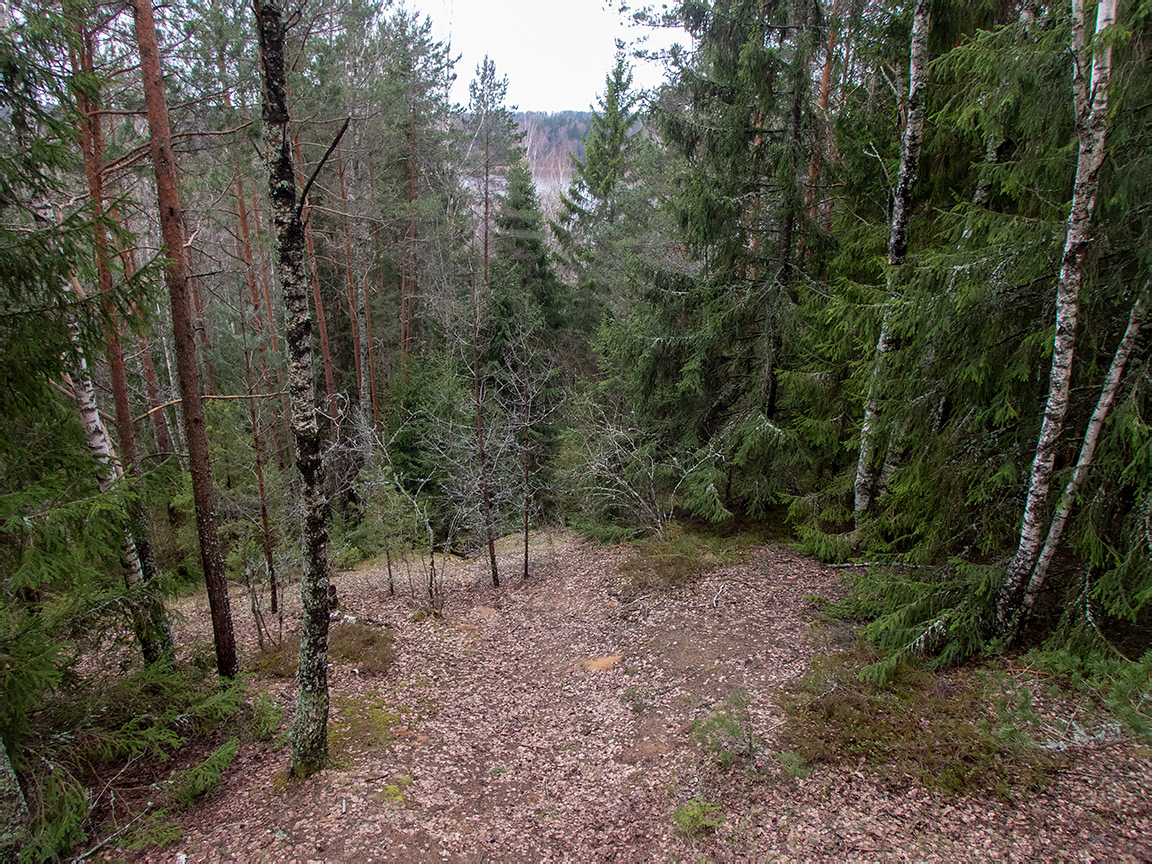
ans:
(693, 335)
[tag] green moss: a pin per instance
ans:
(364, 647)
(363, 724)
(678, 555)
(394, 791)
(956, 733)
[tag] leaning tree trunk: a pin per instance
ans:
(310, 728)
(1087, 449)
(1091, 104)
(897, 248)
(176, 276)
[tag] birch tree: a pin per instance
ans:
(1090, 101)
(897, 249)
(1087, 448)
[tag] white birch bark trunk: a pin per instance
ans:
(897, 248)
(1091, 104)
(149, 623)
(1087, 449)
(108, 467)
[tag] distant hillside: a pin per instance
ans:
(551, 141)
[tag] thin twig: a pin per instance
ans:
(312, 179)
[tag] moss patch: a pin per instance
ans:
(361, 724)
(676, 556)
(394, 791)
(365, 647)
(950, 732)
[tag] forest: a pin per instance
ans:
(863, 285)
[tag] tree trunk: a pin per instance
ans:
(14, 817)
(1091, 104)
(485, 492)
(410, 250)
(159, 421)
(172, 230)
(333, 408)
(817, 163)
(349, 277)
(310, 729)
(897, 249)
(792, 198)
(149, 623)
(370, 352)
(1087, 449)
(151, 382)
(155, 637)
(269, 559)
(201, 330)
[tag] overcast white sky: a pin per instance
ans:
(555, 53)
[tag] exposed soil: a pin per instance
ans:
(550, 720)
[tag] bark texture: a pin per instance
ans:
(310, 729)
(1091, 104)
(176, 277)
(897, 246)
(14, 819)
(1087, 449)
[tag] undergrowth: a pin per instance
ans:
(675, 556)
(965, 732)
(727, 732)
(148, 741)
(366, 647)
(697, 818)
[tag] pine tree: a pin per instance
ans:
(172, 226)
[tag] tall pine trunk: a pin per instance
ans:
(155, 637)
(270, 316)
(309, 736)
(1091, 105)
(897, 250)
(176, 277)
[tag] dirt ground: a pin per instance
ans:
(551, 720)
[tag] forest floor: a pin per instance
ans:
(551, 720)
